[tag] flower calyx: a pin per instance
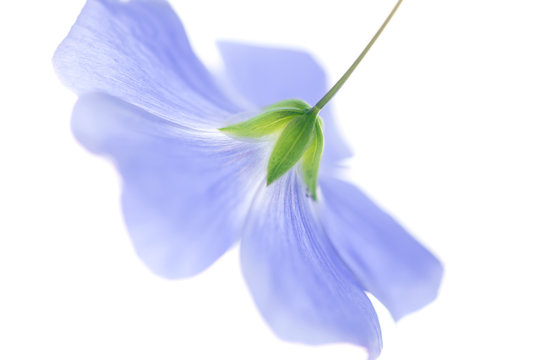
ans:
(300, 139)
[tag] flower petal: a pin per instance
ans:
(266, 75)
(138, 51)
(185, 196)
(386, 259)
(301, 286)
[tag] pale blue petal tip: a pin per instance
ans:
(385, 258)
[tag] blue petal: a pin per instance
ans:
(138, 51)
(386, 259)
(267, 75)
(185, 196)
(298, 281)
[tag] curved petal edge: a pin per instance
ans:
(301, 286)
(386, 259)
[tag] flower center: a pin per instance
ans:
(301, 139)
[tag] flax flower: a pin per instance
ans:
(311, 246)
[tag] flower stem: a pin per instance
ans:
(326, 98)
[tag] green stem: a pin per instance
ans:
(326, 98)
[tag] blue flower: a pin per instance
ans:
(190, 191)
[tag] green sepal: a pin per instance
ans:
(290, 104)
(291, 145)
(312, 159)
(263, 124)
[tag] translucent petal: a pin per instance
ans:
(185, 196)
(386, 259)
(267, 75)
(298, 281)
(138, 51)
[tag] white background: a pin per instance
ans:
(443, 116)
